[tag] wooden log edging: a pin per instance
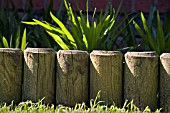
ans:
(140, 76)
(10, 75)
(165, 82)
(141, 79)
(106, 76)
(39, 75)
(72, 77)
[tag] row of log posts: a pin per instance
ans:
(72, 77)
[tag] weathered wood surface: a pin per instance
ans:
(165, 82)
(39, 75)
(106, 76)
(141, 78)
(10, 75)
(72, 77)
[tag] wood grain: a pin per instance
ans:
(106, 76)
(72, 77)
(10, 75)
(165, 82)
(141, 79)
(39, 75)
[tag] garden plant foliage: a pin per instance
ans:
(86, 34)
(154, 36)
(11, 35)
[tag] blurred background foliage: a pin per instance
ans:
(129, 39)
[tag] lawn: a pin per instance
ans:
(94, 107)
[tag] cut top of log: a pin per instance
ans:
(165, 55)
(142, 54)
(106, 53)
(39, 50)
(72, 52)
(10, 50)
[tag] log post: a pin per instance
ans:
(141, 79)
(72, 77)
(106, 76)
(10, 75)
(39, 75)
(165, 82)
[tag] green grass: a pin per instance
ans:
(94, 107)
(39, 107)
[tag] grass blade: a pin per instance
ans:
(23, 43)
(58, 40)
(151, 40)
(140, 32)
(5, 43)
(160, 34)
(62, 27)
(17, 38)
(11, 42)
(30, 23)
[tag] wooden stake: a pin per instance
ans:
(106, 76)
(39, 75)
(10, 75)
(72, 77)
(141, 79)
(165, 82)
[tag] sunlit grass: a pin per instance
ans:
(94, 107)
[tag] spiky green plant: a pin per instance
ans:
(18, 44)
(154, 36)
(36, 36)
(10, 28)
(85, 34)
